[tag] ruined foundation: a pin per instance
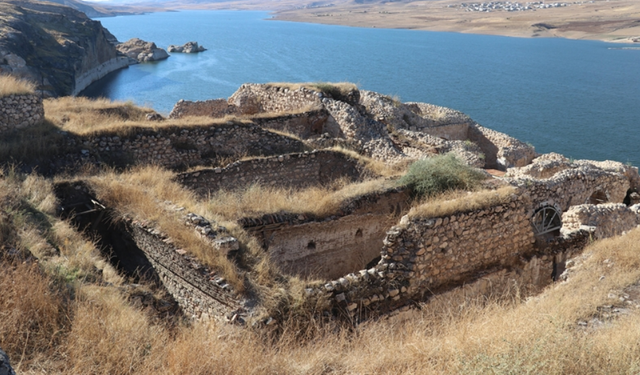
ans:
(373, 255)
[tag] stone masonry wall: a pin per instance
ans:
(199, 292)
(448, 249)
(216, 108)
(303, 125)
(183, 146)
(291, 170)
(423, 255)
(251, 99)
(606, 220)
(575, 186)
(257, 98)
(330, 247)
(501, 150)
(20, 111)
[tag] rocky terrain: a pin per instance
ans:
(189, 47)
(95, 10)
(58, 48)
(142, 51)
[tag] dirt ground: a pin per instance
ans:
(607, 20)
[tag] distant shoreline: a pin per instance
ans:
(619, 23)
(615, 21)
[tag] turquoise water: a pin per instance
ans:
(579, 98)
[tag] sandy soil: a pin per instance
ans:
(607, 20)
(613, 20)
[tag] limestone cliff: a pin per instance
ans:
(58, 48)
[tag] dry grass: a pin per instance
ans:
(474, 336)
(141, 192)
(257, 200)
(85, 116)
(461, 201)
(93, 329)
(10, 85)
(32, 313)
(375, 166)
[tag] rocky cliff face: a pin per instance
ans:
(58, 48)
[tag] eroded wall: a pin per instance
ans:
(575, 186)
(257, 98)
(605, 220)
(332, 247)
(471, 254)
(192, 285)
(501, 151)
(292, 170)
(182, 146)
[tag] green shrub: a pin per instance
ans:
(441, 173)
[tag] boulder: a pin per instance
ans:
(142, 51)
(189, 47)
(5, 366)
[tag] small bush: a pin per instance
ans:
(336, 90)
(429, 177)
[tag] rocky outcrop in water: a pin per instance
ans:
(142, 51)
(189, 47)
(58, 48)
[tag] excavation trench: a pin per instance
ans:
(113, 238)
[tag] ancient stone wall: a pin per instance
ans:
(304, 125)
(423, 255)
(216, 108)
(183, 146)
(329, 248)
(257, 98)
(20, 111)
(606, 220)
(501, 151)
(199, 292)
(446, 250)
(291, 170)
(527, 276)
(467, 254)
(579, 185)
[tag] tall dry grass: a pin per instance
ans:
(10, 85)
(32, 312)
(89, 327)
(320, 201)
(461, 201)
(84, 116)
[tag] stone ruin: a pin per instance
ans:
(373, 255)
(20, 111)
